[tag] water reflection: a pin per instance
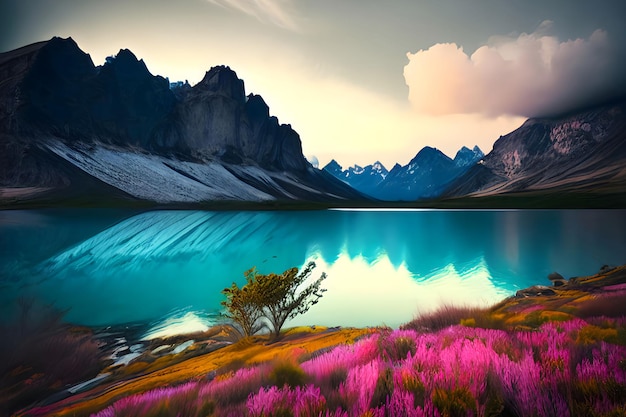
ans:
(383, 266)
(371, 293)
(177, 323)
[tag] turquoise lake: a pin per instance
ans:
(167, 268)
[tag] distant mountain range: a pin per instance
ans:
(75, 133)
(578, 156)
(72, 131)
(426, 176)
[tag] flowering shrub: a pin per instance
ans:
(557, 370)
(299, 401)
(287, 373)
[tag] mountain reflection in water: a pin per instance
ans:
(383, 266)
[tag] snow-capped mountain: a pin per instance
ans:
(364, 179)
(427, 175)
(70, 129)
(466, 157)
(424, 177)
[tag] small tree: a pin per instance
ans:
(280, 297)
(274, 296)
(243, 308)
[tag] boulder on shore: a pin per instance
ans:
(557, 279)
(535, 291)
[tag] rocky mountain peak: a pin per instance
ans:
(334, 168)
(257, 109)
(396, 167)
(63, 55)
(429, 155)
(126, 65)
(53, 78)
(428, 151)
(54, 88)
(379, 167)
(425, 176)
(222, 80)
(467, 157)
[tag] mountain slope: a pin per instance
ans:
(580, 152)
(68, 127)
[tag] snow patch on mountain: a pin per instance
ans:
(156, 178)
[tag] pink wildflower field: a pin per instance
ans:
(570, 368)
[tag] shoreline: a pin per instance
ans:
(43, 198)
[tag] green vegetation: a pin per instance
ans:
(275, 297)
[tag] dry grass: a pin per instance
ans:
(449, 315)
(246, 352)
(604, 305)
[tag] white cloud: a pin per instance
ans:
(530, 75)
(275, 12)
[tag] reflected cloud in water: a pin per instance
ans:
(362, 293)
(179, 323)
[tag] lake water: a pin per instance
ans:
(384, 266)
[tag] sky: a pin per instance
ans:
(364, 80)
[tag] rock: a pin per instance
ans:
(129, 104)
(535, 291)
(554, 276)
(215, 119)
(606, 268)
(557, 279)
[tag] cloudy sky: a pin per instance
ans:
(362, 80)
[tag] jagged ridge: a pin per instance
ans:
(54, 96)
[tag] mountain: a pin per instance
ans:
(580, 152)
(425, 177)
(70, 129)
(466, 157)
(364, 179)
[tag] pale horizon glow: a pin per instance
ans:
(363, 81)
(377, 128)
